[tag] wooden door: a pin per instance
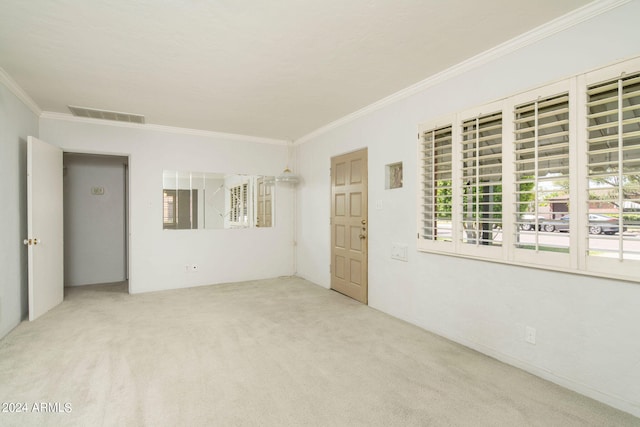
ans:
(349, 225)
(264, 217)
(44, 227)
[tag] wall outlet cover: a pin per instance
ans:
(530, 335)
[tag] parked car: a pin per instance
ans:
(528, 221)
(598, 224)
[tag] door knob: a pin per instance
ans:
(364, 221)
(27, 242)
(362, 235)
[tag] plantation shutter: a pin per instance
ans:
(236, 204)
(542, 171)
(614, 165)
(437, 184)
(481, 179)
(245, 204)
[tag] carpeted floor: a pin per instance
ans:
(280, 352)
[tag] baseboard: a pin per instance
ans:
(6, 331)
(611, 400)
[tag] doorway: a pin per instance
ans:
(95, 219)
(349, 225)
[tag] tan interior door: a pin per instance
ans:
(264, 217)
(349, 225)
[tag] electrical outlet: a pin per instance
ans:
(530, 335)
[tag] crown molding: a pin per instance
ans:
(11, 84)
(162, 128)
(548, 29)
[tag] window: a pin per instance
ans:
(541, 139)
(613, 115)
(482, 180)
(180, 209)
(547, 178)
(239, 204)
(437, 200)
(168, 208)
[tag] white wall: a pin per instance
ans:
(588, 328)
(158, 258)
(16, 123)
(94, 225)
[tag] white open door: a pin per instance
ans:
(45, 227)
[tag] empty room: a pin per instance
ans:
(323, 213)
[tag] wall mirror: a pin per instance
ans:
(204, 200)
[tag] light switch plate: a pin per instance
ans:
(399, 251)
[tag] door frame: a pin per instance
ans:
(127, 205)
(365, 150)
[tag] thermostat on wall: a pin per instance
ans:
(97, 191)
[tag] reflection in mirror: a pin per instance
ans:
(199, 200)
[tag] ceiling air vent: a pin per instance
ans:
(106, 115)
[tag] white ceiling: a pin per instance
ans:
(277, 69)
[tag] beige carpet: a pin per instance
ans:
(279, 352)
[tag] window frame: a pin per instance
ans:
(576, 260)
